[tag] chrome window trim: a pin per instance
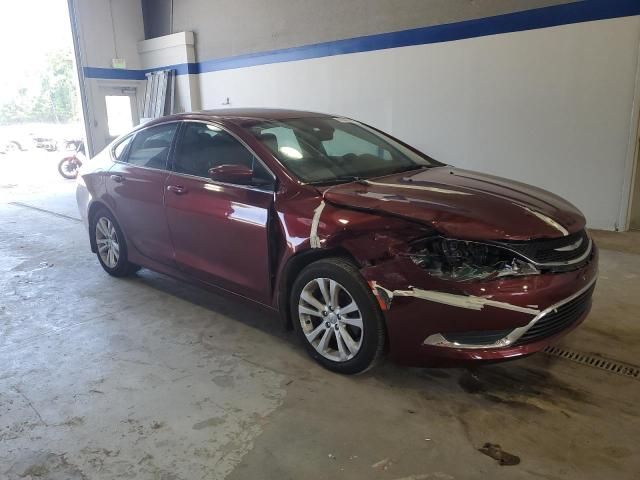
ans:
(438, 339)
(143, 168)
(117, 142)
(243, 143)
(224, 184)
(133, 136)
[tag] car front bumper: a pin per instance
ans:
(432, 322)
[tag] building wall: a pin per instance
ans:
(109, 29)
(230, 27)
(548, 106)
(104, 30)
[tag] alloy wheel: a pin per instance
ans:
(331, 319)
(107, 242)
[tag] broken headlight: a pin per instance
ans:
(462, 260)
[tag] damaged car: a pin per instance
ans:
(365, 245)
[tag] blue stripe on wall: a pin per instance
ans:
(576, 12)
(126, 74)
(112, 73)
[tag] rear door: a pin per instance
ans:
(220, 230)
(136, 183)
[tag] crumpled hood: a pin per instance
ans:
(464, 204)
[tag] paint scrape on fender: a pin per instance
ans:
(314, 240)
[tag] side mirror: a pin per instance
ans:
(239, 174)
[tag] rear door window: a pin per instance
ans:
(150, 147)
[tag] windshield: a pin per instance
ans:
(325, 150)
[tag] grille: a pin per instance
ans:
(483, 337)
(545, 251)
(559, 319)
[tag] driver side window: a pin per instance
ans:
(204, 146)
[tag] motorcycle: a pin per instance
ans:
(69, 166)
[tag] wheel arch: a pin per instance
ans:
(292, 269)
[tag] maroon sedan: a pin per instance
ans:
(364, 244)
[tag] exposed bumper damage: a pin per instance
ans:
(447, 313)
(440, 323)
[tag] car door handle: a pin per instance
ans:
(117, 178)
(177, 189)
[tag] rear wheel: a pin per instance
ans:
(111, 245)
(336, 316)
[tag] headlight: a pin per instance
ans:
(462, 260)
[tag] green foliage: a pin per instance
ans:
(56, 100)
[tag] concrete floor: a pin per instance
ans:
(149, 378)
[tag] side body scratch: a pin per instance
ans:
(314, 240)
(470, 302)
(419, 187)
(549, 221)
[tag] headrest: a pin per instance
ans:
(270, 141)
(156, 143)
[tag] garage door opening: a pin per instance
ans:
(40, 112)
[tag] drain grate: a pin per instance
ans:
(595, 361)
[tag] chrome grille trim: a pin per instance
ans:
(565, 263)
(552, 252)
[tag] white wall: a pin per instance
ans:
(97, 20)
(551, 107)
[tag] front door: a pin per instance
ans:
(136, 182)
(219, 230)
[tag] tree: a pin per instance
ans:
(54, 101)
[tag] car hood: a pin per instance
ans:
(464, 204)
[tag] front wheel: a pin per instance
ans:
(68, 167)
(337, 317)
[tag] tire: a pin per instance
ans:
(65, 168)
(13, 146)
(362, 346)
(106, 231)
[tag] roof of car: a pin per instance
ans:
(239, 114)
